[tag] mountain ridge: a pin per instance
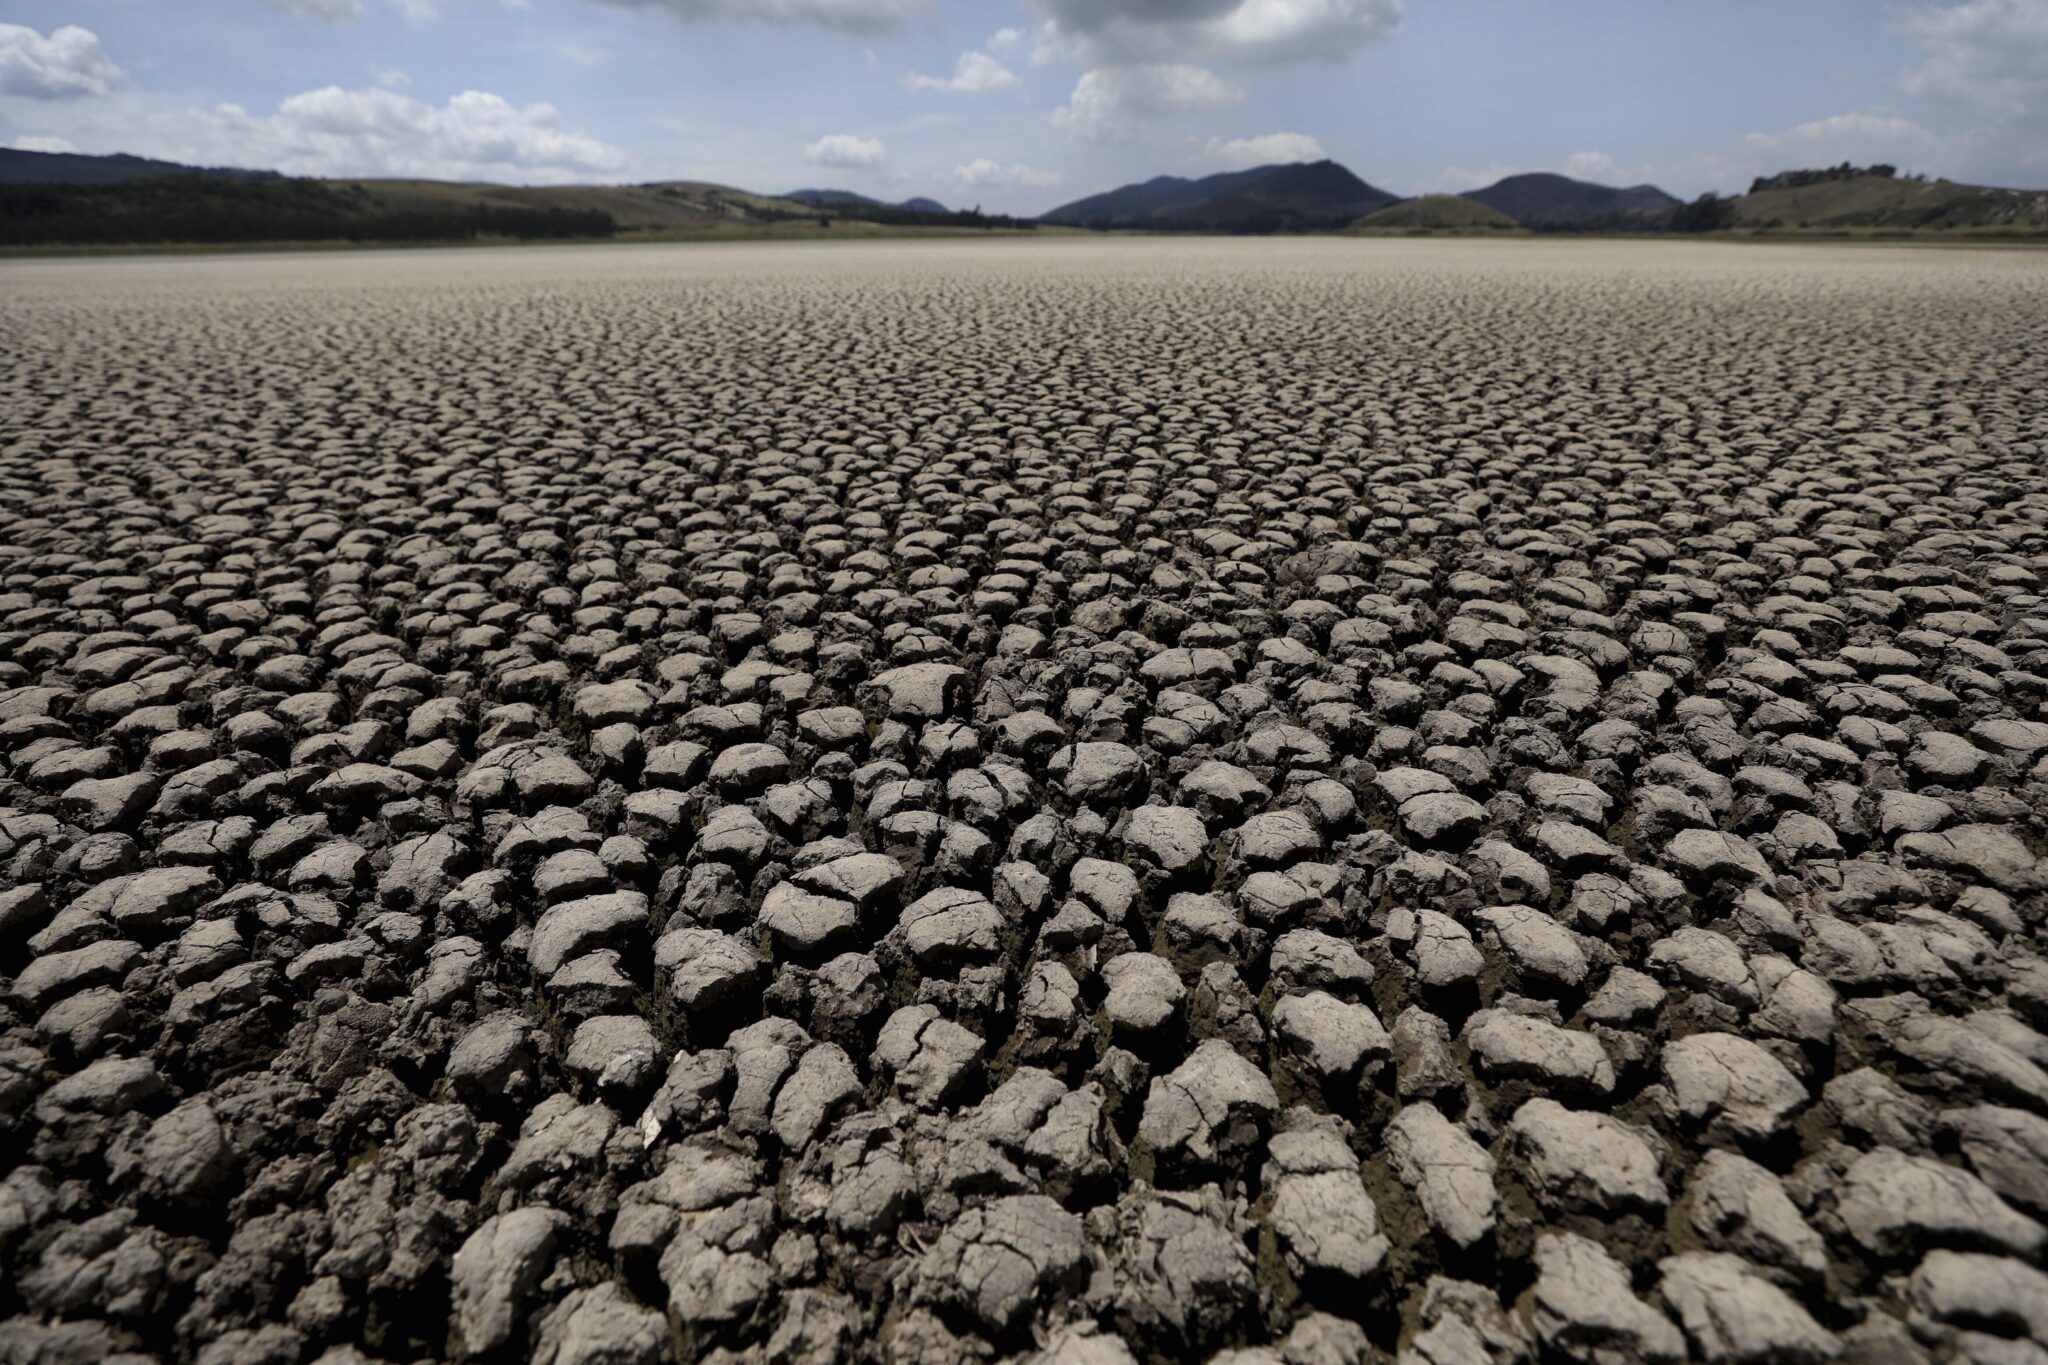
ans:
(21, 166)
(1545, 199)
(1299, 195)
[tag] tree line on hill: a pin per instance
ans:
(1793, 180)
(210, 210)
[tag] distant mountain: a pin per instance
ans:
(847, 199)
(1300, 196)
(834, 199)
(1437, 211)
(1542, 200)
(1871, 200)
(20, 167)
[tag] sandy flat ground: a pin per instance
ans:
(1010, 253)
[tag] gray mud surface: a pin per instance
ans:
(1283, 801)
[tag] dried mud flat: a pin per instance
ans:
(1316, 801)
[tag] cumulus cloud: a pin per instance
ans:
(1591, 166)
(1003, 39)
(333, 11)
(1108, 103)
(372, 131)
(976, 73)
(1267, 149)
(983, 172)
(1249, 30)
(67, 64)
(846, 151)
(840, 16)
(1992, 53)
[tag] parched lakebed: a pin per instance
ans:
(1101, 800)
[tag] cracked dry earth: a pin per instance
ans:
(1286, 801)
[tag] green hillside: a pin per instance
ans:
(1877, 201)
(205, 210)
(1436, 213)
(675, 204)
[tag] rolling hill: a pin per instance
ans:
(1437, 212)
(686, 205)
(56, 198)
(674, 204)
(1880, 201)
(1546, 201)
(666, 204)
(21, 167)
(1300, 196)
(179, 209)
(197, 208)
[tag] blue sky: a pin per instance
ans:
(1022, 104)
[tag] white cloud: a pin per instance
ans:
(333, 11)
(68, 63)
(841, 16)
(1458, 179)
(391, 78)
(1003, 39)
(1108, 102)
(371, 132)
(1268, 149)
(1591, 166)
(1992, 53)
(976, 73)
(1250, 30)
(476, 132)
(420, 12)
(846, 151)
(42, 144)
(1850, 135)
(982, 172)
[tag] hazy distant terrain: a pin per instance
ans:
(67, 200)
(849, 199)
(1087, 799)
